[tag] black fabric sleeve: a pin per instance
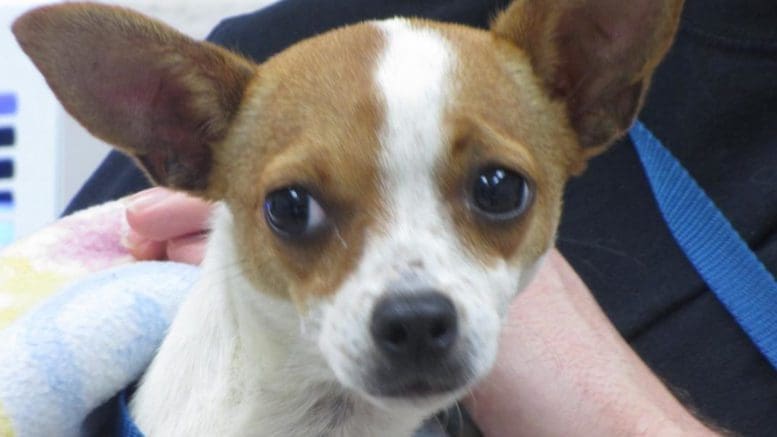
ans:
(117, 176)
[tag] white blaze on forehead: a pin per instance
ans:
(414, 75)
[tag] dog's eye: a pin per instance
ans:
(293, 212)
(499, 193)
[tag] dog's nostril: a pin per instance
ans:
(414, 327)
(396, 335)
(438, 329)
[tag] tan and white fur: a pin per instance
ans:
(386, 126)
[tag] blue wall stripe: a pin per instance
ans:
(7, 103)
(7, 136)
(6, 168)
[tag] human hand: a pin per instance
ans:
(165, 224)
(563, 369)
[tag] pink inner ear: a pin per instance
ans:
(124, 89)
(605, 45)
(147, 110)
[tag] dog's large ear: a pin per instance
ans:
(156, 94)
(596, 55)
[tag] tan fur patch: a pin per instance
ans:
(502, 115)
(310, 118)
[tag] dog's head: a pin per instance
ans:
(399, 181)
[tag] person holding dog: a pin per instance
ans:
(565, 368)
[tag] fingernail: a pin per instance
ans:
(132, 239)
(148, 198)
(141, 247)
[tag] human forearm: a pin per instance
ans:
(564, 370)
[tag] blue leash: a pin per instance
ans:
(722, 258)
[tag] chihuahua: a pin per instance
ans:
(385, 190)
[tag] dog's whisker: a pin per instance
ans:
(340, 237)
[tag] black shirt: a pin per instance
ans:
(714, 105)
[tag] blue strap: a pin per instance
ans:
(125, 426)
(722, 258)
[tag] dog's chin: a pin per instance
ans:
(422, 396)
(420, 388)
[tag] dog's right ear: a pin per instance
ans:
(156, 94)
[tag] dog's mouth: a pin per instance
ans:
(419, 388)
(417, 384)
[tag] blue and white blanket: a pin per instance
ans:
(87, 329)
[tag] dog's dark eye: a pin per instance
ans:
(499, 193)
(293, 212)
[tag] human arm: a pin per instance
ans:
(563, 369)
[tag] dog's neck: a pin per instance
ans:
(235, 363)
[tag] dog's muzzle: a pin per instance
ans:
(416, 338)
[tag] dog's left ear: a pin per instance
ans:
(595, 55)
(154, 93)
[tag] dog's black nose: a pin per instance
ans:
(415, 329)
